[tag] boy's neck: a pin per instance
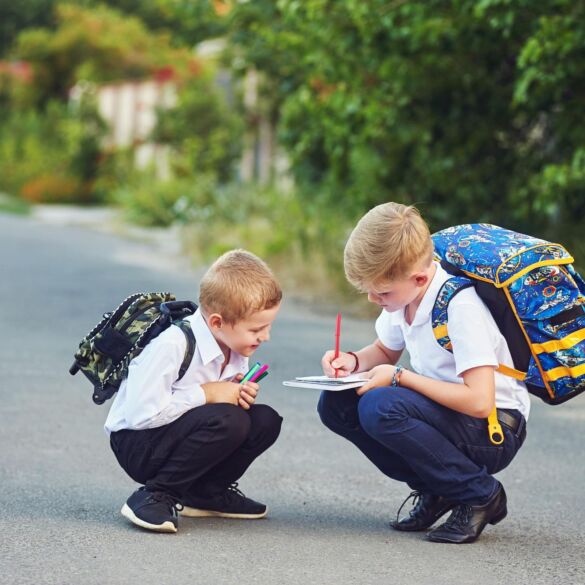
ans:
(410, 309)
(227, 352)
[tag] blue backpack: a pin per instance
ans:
(535, 296)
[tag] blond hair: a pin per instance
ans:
(387, 243)
(237, 285)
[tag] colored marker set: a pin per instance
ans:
(256, 373)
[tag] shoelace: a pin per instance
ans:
(415, 496)
(173, 504)
(460, 516)
(233, 492)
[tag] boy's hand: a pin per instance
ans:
(378, 376)
(221, 392)
(243, 395)
(344, 364)
(248, 393)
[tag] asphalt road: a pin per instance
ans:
(61, 489)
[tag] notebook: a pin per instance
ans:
(326, 383)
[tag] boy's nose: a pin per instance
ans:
(373, 297)
(264, 336)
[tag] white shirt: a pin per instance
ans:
(151, 396)
(474, 335)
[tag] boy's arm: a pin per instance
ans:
(368, 357)
(475, 397)
(474, 337)
(149, 394)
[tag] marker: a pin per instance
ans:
(257, 380)
(337, 336)
(258, 373)
(251, 372)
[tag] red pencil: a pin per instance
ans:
(337, 335)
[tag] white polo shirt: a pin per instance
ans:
(152, 396)
(474, 335)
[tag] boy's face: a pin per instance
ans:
(246, 336)
(396, 294)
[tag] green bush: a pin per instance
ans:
(59, 144)
(53, 189)
(203, 130)
(11, 204)
(156, 203)
(301, 238)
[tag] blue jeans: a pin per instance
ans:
(412, 439)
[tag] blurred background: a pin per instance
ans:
(275, 124)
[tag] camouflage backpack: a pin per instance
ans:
(105, 353)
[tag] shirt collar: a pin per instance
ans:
(207, 345)
(424, 310)
(209, 349)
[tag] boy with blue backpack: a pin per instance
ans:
(426, 426)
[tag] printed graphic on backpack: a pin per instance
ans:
(535, 295)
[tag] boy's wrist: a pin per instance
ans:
(397, 376)
(357, 362)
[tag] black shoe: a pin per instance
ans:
(467, 522)
(427, 509)
(152, 510)
(230, 504)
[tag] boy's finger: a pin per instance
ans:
(363, 389)
(243, 404)
(248, 398)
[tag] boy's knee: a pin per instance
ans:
(379, 410)
(233, 423)
(266, 420)
(338, 411)
(328, 408)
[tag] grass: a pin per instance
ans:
(10, 204)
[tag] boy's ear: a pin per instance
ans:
(215, 321)
(420, 278)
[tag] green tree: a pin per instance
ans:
(16, 16)
(98, 44)
(203, 130)
(187, 21)
(468, 108)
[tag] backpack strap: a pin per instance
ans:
(185, 327)
(450, 288)
(447, 292)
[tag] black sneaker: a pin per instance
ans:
(230, 504)
(152, 510)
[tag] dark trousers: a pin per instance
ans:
(412, 439)
(201, 453)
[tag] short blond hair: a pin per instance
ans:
(387, 243)
(237, 285)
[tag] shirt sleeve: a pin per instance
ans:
(389, 332)
(150, 398)
(473, 334)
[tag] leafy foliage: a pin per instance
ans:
(203, 130)
(51, 156)
(186, 21)
(466, 108)
(96, 45)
